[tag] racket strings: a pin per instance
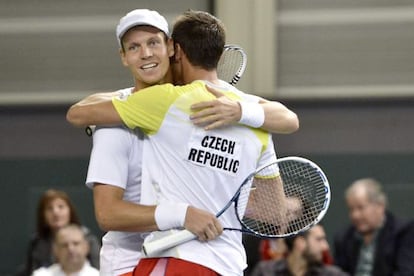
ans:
(230, 65)
(268, 213)
(305, 183)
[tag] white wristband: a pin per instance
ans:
(170, 215)
(252, 114)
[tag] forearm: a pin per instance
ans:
(267, 195)
(113, 213)
(271, 116)
(96, 109)
(278, 118)
(126, 216)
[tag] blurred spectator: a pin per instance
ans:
(275, 249)
(272, 249)
(54, 211)
(376, 243)
(70, 249)
(305, 253)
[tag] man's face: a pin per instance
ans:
(146, 53)
(316, 244)
(365, 215)
(71, 249)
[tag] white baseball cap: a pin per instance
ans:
(141, 17)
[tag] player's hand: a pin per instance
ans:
(216, 113)
(203, 224)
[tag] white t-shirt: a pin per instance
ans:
(116, 160)
(185, 163)
(56, 270)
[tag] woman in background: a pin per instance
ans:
(54, 210)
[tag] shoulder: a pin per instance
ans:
(113, 134)
(43, 271)
(345, 234)
(155, 88)
(34, 239)
(38, 243)
(397, 226)
(331, 270)
(327, 270)
(152, 95)
(46, 271)
(90, 271)
(271, 266)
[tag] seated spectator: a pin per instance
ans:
(376, 243)
(275, 249)
(70, 249)
(272, 249)
(54, 211)
(305, 253)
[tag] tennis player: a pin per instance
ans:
(201, 168)
(122, 193)
(115, 164)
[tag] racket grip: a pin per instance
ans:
(152, 248)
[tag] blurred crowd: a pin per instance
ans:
(375, 243)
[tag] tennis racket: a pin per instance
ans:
(231, 67)
(232, 64)
(278, 200)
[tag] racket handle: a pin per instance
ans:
(152, 248)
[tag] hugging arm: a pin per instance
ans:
(115, 214)
(96, 109)
(223, 111)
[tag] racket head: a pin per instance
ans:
(263, 213)
(232, 64)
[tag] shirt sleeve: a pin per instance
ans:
(146, 108)
(269, 155)
(109, 157)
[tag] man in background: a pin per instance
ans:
(376, 243)
(70, 249)
(304, 257)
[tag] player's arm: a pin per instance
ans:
(96, 109)
(115, 214)
(273, 116)
(278, 118)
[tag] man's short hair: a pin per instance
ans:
(201, 36)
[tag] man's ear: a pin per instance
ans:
(170, 47)
(177, 52)
(87, 247)
(123, 58)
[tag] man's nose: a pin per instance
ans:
(146, 52)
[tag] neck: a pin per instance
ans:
(201, 74)
(297, 265)
(71, 270)
(192, 73)
(369, 236)
(141, 85)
